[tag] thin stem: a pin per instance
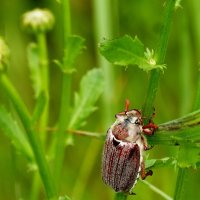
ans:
(66, 20)
(160, 57)
(35, 189)
(195, 5)
(183, 173)
(179, 184)
(185, 73)
(102, 23)
(157, 190)
(87, 133)
(120, 196)
(41, 40)
(32, 136)
(184, 130)
(65, 98)
(44, 107)
(85, 169)
(62, 124)
(103, 29)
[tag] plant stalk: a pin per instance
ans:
(44, 109)
(43, 57)
(179, 184)
(85, 169)
(103, 29)
(160, 58)
(157, 190)
(183, 173)
(65, 99)
(32, 136)
(184, 130)
(120, 196)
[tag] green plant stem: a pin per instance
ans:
(195, 8)
(186, 70)
(65, 99)
(183, 173)
(157, 190)
(184, 130)
(159, 57)
(35, 188)
(85, 170)
(103, 29)
(61, 133)
(120, 196)
(179, 184)
(32, 136)
(43, 56)
(41, 109)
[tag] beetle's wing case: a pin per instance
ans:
(121, 163)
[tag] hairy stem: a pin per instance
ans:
(160, 57)
(184, 130)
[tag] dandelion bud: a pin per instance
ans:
(38, 20)
(4, 54)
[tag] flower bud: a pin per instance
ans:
(4, 54)
(38, 20)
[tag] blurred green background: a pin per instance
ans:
(81, 173)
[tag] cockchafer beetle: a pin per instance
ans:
(123, 150)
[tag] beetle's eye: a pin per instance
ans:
(127, 120)
(137, 122)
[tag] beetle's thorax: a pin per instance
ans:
(128, 126)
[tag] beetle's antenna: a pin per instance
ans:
(127, 104)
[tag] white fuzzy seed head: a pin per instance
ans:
(38, 20)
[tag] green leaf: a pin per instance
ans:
(75, 44)
(157, 163)
(91, 87)
(128, 51)
(13, 131)
(33, 63)
(188, 156)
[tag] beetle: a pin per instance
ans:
(122, 160)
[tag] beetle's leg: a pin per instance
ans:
(144, 174)
(149, 128)
(131, 193)
(151, 125)
(144, 142)
(145, 145)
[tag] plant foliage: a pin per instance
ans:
(126, 51)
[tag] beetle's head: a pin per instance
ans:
(130, 116)
(128, 124)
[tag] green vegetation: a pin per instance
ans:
(67, 70)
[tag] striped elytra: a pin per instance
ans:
(121, 163)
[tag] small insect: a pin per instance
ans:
(123, 150)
